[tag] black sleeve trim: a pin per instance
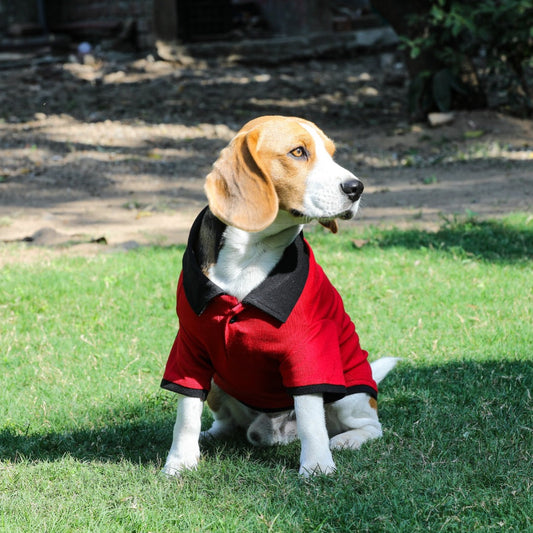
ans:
(186, 391)
(331, 393)
(362, 388)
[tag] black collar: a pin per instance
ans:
(276, 295)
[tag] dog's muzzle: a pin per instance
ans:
(353, 189)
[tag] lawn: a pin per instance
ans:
(84, 427)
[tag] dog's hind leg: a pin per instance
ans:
(355, 438)
(352, 421)
(230, 415)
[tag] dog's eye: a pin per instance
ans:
(299, 153)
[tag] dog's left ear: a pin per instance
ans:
(240, 192)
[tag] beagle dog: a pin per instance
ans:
(263, 335)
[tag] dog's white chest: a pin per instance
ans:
(239, 281)
(246, 259)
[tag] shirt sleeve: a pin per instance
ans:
(314, 365)
(188, 370)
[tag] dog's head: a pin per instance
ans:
(278, 163)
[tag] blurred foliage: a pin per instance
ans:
(476, 47)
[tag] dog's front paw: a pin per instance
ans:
(175, 465)
(313, 468)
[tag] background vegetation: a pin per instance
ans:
(462, 53)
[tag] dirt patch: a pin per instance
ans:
(115, 152)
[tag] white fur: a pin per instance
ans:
(323, 196)
(315, 456)
(243, 263)
(185, 450)
(382, 367)
(246, 259)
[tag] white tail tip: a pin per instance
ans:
(382, 367)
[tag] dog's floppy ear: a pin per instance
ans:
(240, 192)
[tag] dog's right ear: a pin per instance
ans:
(240, 193)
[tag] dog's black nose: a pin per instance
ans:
(353, 189)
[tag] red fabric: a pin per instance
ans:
(263, 362)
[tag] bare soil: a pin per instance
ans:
(113, 153)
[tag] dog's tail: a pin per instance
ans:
(382, 367)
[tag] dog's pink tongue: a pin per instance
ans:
(330, 224)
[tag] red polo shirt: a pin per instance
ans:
(289, 336)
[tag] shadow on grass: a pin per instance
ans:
(488, 401)
(139, 433)
(488, 240)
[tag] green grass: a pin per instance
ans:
(84, 428)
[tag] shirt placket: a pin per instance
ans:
(231, 319)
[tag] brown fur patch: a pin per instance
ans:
(215, 398)
(373, 403)
(239, 193)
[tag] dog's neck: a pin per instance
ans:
(245, 259)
